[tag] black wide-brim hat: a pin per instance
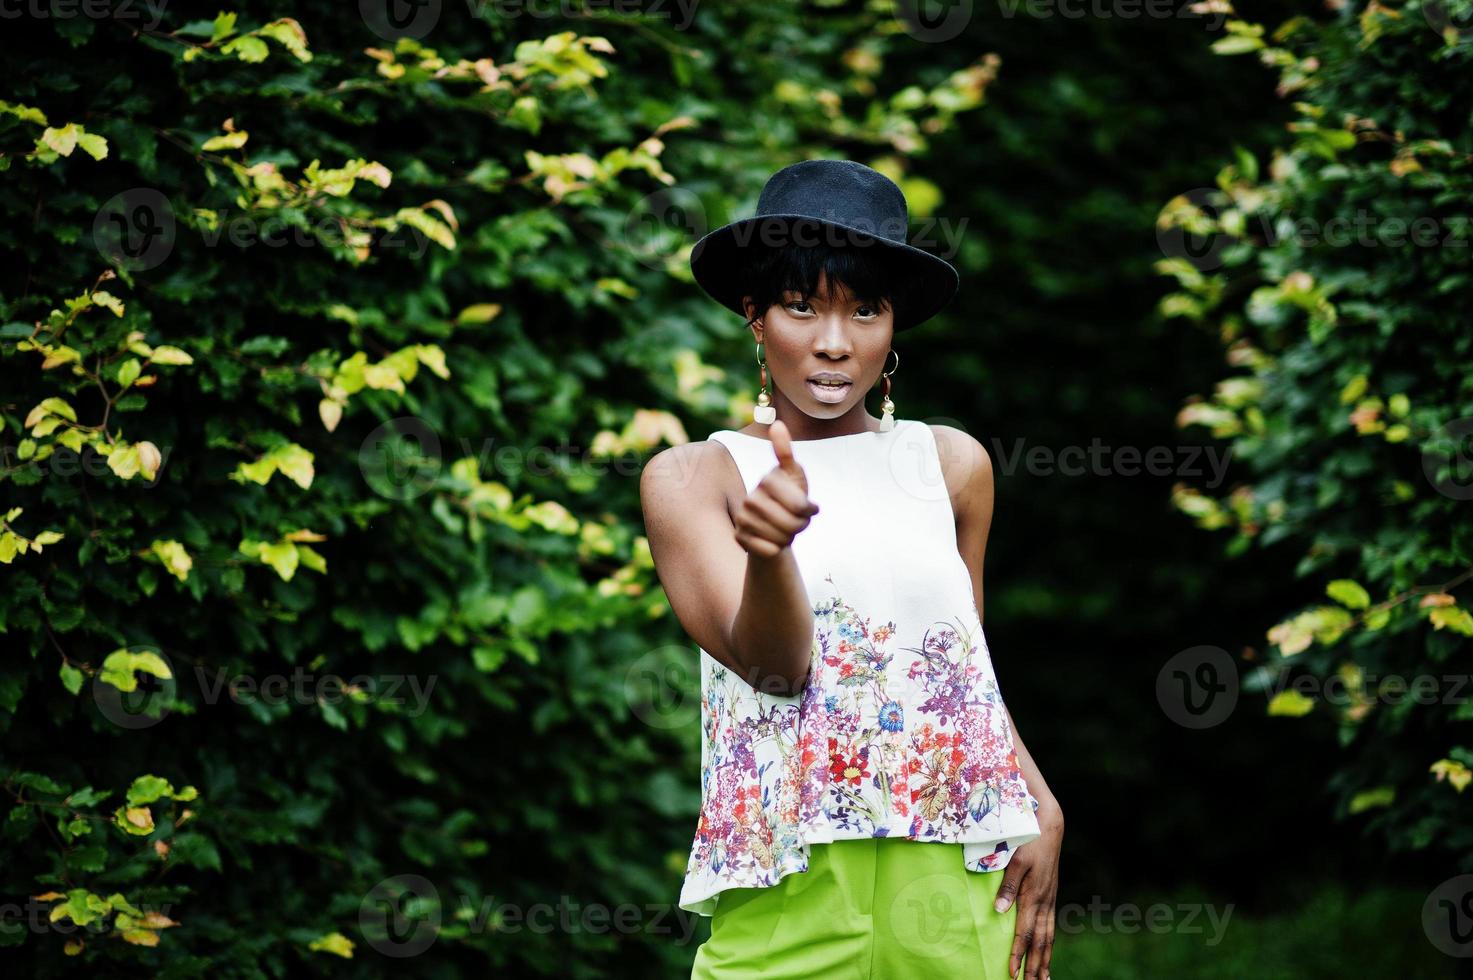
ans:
(832, 201)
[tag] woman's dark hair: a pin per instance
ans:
(871, 275)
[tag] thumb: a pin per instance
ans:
(1012, 879)
(782, 446)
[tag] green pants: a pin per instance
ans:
(879, 907)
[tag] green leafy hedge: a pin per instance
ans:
(329, 360)
(1338, 276)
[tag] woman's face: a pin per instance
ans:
(824, 354)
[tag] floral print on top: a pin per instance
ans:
(884, 740)
(900, 731)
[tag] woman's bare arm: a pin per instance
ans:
(745, 605)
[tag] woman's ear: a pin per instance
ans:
(752, 321)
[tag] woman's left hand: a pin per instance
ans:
(1032, 878)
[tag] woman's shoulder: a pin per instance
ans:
(690, 467)
(964, 460)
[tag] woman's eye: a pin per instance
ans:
(868, 311)
(798, 302)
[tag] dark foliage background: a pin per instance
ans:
(362, 340)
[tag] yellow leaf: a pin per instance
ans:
(331, 413)
(1353, 389)
(229, 141)
(310, 558)
(479, 313)
(59, 356)
(124, 460)
(61, 139)
(295, 463)
(1453, 618)
(432, 357)
(106, 300)
(382, 376)
(1456, 774)
(174, 558)
(335, 943)
(170, 355)
(135, 819)
(149, 459)
(1291, 704)
(1291, 637)
(444, 210)
(553, 516)
(282, 556)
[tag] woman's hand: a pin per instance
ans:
(778, 507)
(1032, 877)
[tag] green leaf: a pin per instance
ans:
(71, 678)
(121, 667)
(224, 26)
(1348, 593)
(247, 48)
(1368, 799)
(129, 371)
(148, 789)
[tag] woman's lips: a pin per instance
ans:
(830, 394)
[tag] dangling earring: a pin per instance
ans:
(764, 413)
(887, 407)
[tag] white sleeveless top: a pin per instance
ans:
(900, 730)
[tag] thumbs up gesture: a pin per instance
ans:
(778, 507)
